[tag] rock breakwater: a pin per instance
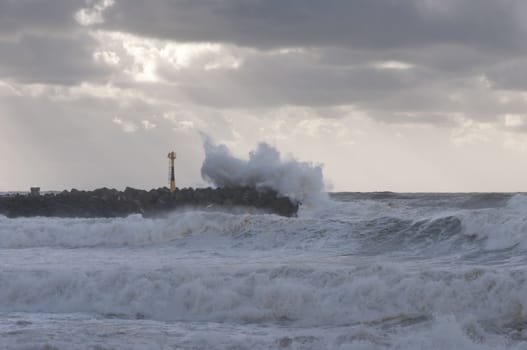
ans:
(106, 202)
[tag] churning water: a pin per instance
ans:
(357, 271)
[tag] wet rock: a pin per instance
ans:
(105, 202)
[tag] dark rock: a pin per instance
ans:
(104, 202)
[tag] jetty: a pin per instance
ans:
(105, 202)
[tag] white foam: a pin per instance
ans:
(115, 232)
(261, 281)
(447, 333)
(501, 228)
(310, 294)
(302, 181)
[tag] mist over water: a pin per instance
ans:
(265, 168)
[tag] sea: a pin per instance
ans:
(353, 271)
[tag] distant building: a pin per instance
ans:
(35, 191)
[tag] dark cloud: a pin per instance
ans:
(282, 79)
(50, 59)
(510, 74)
(41, 42)
(377, 24)
(37, 16)
(451, 59)
(446, 44)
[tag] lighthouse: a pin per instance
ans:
(171, 175)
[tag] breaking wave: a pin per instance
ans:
(400, 272)
(132, 231)
(359, 227)
(313, 294)
(301, 181)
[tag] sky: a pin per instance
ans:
(385, 95)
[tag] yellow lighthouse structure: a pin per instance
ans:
(171, 175)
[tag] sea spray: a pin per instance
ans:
(302, 181)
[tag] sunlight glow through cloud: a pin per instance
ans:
(142, 58)
(393, 65)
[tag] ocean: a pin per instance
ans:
(353, 271)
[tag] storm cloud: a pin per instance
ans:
(316, 77)
(364, 24)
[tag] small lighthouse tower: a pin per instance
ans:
(171, 176)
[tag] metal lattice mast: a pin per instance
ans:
(171, 174)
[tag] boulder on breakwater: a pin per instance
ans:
(104, 202)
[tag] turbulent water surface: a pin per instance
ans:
(357, 271)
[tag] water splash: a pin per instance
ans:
(302, 181)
